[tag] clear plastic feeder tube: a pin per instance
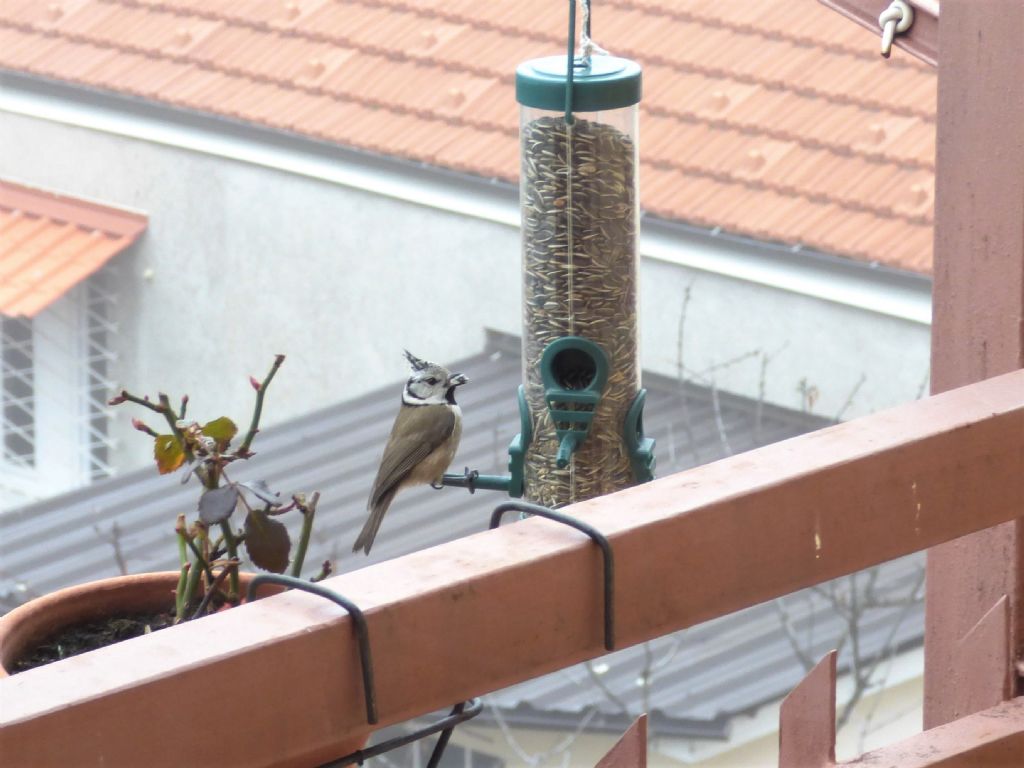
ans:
(580, 217)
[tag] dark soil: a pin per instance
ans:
(90, 636)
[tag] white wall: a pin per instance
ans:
(857, 361)
(242, 261)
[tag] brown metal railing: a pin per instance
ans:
(503, 606)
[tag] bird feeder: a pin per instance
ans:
(580, 216)
(581, 405)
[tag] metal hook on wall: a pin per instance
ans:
(894, 20)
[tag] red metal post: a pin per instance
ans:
(980, 657)
(631, 750)
(978, 326)
(992, 738)
(807, 719)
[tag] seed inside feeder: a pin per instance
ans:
(579, 219)
(574, 369)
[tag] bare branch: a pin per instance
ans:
(851, 396)
(603, 687)
(114, 540)
(716, 407)
(261, 390)
(786, 622)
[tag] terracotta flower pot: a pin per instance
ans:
(31, 623)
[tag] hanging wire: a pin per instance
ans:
(570, 66)
(587, 46)
(570, 62)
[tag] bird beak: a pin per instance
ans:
(456, 379)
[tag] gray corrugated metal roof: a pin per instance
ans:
(715, 669)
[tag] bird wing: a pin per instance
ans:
(417, 431)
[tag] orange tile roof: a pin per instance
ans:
(769, 118)
(49, 243)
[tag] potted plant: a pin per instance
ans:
(88, 616)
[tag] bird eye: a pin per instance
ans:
(431, 381)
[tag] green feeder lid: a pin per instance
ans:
(608, 83)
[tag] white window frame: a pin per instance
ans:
(66, 444)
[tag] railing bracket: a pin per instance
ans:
(598, 538)
(460, 712)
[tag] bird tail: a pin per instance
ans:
(369, 532)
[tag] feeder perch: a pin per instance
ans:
(641, 448)
(511, 483)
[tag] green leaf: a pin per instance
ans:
(267, 542)
(217, 504)
(221, 430)
(168, 453)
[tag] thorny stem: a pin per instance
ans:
(196, 571)
(179, 529)
(254, 427)
(325, 571)
(219, 551)
(211, 590)
(232, 546)
(172, 421)
(179, 595)
(308, 513)
(230, 540)
(194, 574)
(144, 402)
(200, 560)
(164, 409)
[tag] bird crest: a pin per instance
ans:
(416, 363)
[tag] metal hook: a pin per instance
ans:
(894, 20)
(460, 712)
(598, 538)
(358, 621)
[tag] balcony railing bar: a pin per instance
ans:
(492, 609)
